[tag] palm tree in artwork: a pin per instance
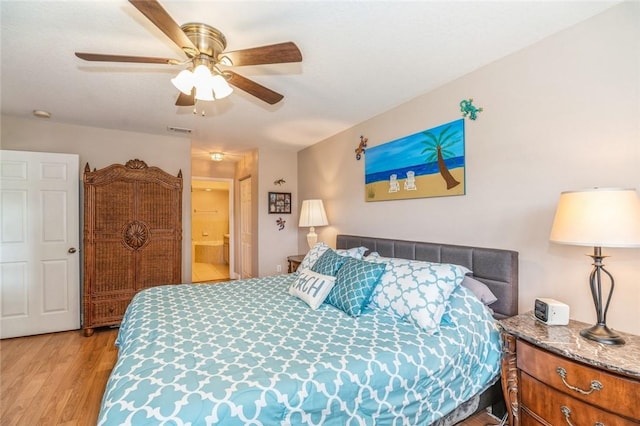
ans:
(438, 149)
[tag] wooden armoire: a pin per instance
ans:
(132, 237)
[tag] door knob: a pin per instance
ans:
(72, 250)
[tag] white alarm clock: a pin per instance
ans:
(551, 312)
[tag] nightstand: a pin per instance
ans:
(294, 262)
(553, 376)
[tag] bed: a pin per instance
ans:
(249, 353)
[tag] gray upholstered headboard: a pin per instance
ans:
(497, 268)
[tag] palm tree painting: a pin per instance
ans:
(438, 147)
(430, 163)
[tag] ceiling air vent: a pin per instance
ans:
(180, 130)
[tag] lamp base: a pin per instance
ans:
(602, 334)
(312, 237)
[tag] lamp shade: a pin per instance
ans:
(221, 88)
(312, 214)
(599, 217)
(183, 81)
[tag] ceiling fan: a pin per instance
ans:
(204, 47)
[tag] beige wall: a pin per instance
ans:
(562, 114)
(274, 244)
(103, 147)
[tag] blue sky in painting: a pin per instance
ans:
(406, 152)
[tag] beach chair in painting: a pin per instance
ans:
(410, 183)
(394, 186)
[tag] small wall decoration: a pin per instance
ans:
(430, 163)
(360, 149)
(280, 222)
(279, 181)
(468, 109)
(280, 202)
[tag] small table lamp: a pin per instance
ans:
(312, 214)
(598, 217)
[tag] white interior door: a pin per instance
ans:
(39, 237)
(245, 228)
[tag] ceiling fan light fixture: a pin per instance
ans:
(203, 82)
(205, 45)
(200, 74)
(183, 81)
(204, 93)
(221, 88)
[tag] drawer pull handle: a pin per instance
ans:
(595, 385)
(567, 413)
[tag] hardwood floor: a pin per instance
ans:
(59, 379)
(55, 379)
(481, 419)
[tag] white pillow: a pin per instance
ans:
(318, 250)
(416, 291)
(312, 287)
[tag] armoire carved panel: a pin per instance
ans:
(132, 237)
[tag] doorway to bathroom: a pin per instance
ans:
(211, 229)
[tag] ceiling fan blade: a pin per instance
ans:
(122, 58)
(186, 100)
(271, 54)
(161, 19)
(253, 88)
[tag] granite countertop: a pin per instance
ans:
(565, 340)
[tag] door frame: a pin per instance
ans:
(230, 182)
(243, 260)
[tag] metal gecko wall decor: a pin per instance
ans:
(361, 147)
(468, 109)
(280, 222)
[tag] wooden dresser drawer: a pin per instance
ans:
(109, 311)
(558, 408)
(529, 419)
(596, 387)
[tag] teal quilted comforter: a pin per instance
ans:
(248, 353)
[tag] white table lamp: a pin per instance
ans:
(312, 215)
(599, 217)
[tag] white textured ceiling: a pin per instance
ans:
(360, 58)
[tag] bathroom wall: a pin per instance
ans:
(210, 218)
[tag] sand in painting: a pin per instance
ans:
(432, 185)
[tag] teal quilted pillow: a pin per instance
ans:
(416, 291)
(355, 282)
(329, 263)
